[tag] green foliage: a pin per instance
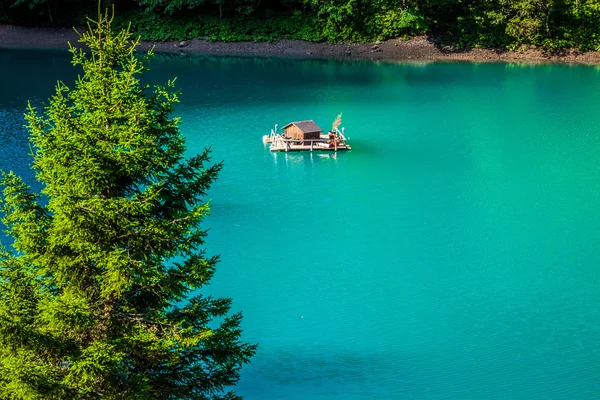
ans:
(332, 24)
(355, 20)
(151, 26)
(99, 291)
(394, 23)
(548, 24)
(46, 11)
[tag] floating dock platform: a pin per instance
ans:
(281, 143)
(306, 136)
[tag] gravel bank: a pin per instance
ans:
(415, 49)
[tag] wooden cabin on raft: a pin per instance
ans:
(302, 130)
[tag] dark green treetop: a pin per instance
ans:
(99, 288)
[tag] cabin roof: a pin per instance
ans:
(305, 126)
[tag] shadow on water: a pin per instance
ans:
(37, 86)
(265, 81)
(15, 146)
(277, 69)
(333, 374)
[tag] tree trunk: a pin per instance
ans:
(50, 14)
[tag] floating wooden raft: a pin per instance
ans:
(306, 136)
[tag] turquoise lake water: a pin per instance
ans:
(454, 253)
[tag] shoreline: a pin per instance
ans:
(393, 50)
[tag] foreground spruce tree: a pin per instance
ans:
(98, 291)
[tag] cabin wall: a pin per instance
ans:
(312, 135)
(294, 133)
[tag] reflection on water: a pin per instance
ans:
(292, 158)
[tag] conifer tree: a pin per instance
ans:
(99, 287)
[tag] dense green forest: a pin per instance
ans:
(550, 24)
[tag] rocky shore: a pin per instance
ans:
(415, 49)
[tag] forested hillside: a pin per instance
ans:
(551, 24)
